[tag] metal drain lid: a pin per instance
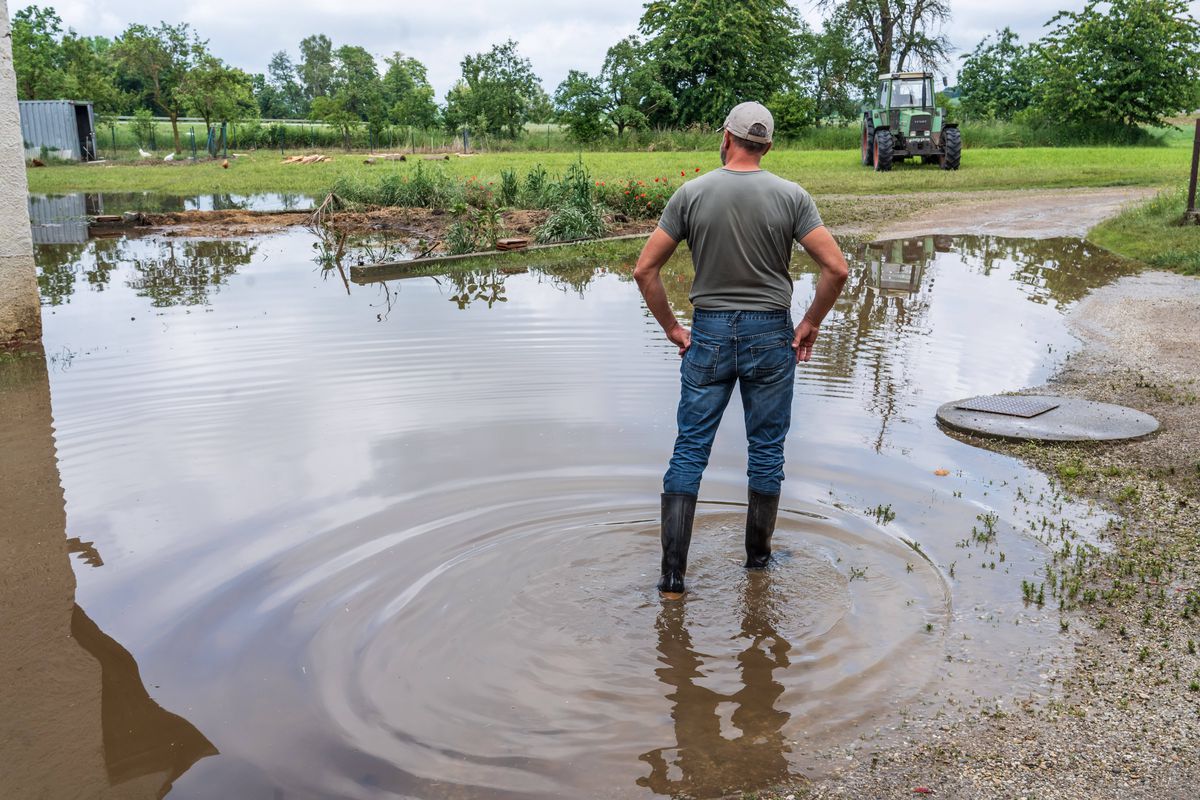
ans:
(1009, 405)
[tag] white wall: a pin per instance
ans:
(20, 314)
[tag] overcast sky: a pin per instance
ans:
(556, 35)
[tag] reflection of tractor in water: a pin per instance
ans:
(908, 124)
(895, 268)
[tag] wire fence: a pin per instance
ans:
(118, 138)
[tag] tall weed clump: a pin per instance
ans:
(421, 188)
(575, 214)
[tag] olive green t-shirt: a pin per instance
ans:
(740, 227)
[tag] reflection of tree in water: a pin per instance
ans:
(1052, 270)
(704, 761)
(170, 272)
(571, 278)
(61, 265)
(477, 286)
(184, 272)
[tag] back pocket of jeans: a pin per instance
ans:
(700, 362)
(772, 359)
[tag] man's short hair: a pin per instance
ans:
(753, 148)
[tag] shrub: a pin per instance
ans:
(570, 223)
(509, 187)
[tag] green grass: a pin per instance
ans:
(1153, 233)
(119, 142)
(820, 171)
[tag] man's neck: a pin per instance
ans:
(743, 164)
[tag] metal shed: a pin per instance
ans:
(66, 128)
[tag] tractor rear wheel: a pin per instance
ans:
(868, 135)
(883, 151)
(951, 148)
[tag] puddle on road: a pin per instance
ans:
(401, 539)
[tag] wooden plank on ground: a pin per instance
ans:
(390, 270)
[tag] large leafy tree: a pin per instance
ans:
(906, 34)
(89, 65)
(583, 106)
(714, 54)
(1127, 61)
(37, 54)
(407, 93)
(841, 66)
(316, 65)
(52, 64)
(997, 78)
(159, 59)
(285, 90)
(633, 82)
(216, 92)
(497, 94)
(356, 78)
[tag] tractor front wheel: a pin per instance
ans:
(951, 148)
(883, 151)
(868, 135)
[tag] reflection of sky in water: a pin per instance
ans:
(223, 407)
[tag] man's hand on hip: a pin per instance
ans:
(681, 337)
(806, 337)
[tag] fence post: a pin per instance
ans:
(1192, 212)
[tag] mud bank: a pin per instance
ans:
(1031, 214)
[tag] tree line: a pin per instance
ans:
(1124, 62)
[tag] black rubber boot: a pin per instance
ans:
(760, 525)
(678, 511)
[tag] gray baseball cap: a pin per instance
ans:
(743, 116)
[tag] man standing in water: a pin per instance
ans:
(740, 222)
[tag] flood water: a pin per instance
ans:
(319, 539)
(63, 218)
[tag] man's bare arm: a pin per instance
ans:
(824, 249)
(659, 248)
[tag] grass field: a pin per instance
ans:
(1152, 233)
(821, 172)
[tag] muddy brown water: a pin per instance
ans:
(316, 539)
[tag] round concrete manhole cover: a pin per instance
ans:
(1045, 418)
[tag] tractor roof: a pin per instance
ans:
(892, 75)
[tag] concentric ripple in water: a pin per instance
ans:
(519, 646)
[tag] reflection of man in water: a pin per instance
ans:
(706, 761)
(740, 223)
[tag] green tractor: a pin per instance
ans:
(907, 124)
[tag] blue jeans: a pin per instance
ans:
(754, 350)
